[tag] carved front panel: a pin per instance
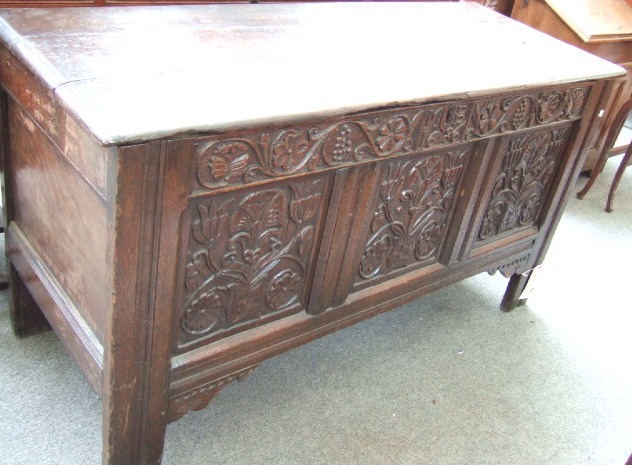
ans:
(409, 220)
(249, 257)
(523, 181)
(249, 157)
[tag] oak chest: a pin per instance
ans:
(194, 189)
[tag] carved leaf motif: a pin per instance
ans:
(262, 209)
(197, 269)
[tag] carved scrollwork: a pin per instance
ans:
(248, 256)
(523, 181)
(250, 157)
(199, 398)
(409, 221)
(517, 266)
(515, 113)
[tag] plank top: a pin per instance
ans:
(596, 20)
(140, 73)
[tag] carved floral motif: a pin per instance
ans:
(523, 181)
(248, 255)
(409, 221)
(248, 157)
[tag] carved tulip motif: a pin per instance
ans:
(220, 164)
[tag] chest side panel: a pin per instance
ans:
(63, 218)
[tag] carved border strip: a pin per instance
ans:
(247, 157)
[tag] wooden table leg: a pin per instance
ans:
(26, 317)
(613, 134)
(617, 177)
(517, 284)
(137, 352)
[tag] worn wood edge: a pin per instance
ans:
(7, 33)
(209, 365)
(61, 313)
(40, 67)
(73, 104)
(59, 121)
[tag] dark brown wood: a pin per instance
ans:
(136, 359)
(173, 255)
(512, 297)
(26, 317)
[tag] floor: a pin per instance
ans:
(446, 380)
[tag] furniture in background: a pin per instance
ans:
(601, 27)
(611, 138)
(189, 195)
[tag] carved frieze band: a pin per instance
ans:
(523, 181)
(249, 157)
(248, 256)
(410, 219)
